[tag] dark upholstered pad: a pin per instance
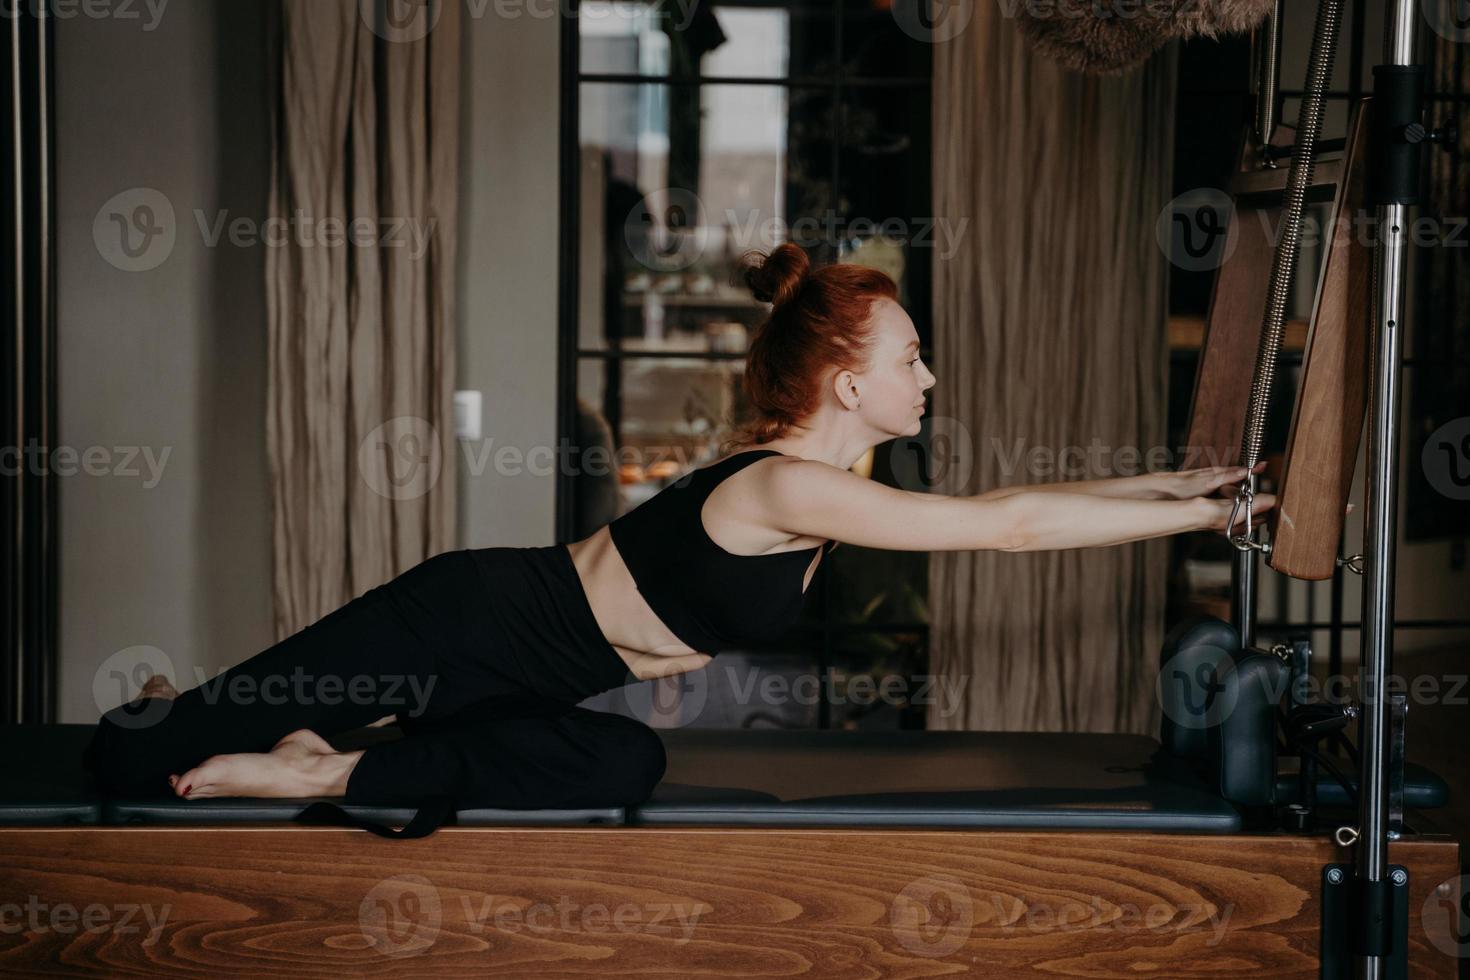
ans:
(43, 781)
(931, 779)
(176, 812)
(1423, 789)
(228, 810)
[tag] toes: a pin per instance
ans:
(193, 779)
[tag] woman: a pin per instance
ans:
(492, 648)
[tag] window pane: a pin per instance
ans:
(878, 587)
(878, 682)
(1296, 47)
(676, 183)
(686, 40)
(885, 199)
(896, 38)
(1335, 114)
(768, 689)
(666, 415)
(875, 587)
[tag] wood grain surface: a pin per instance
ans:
(675, 902)
(1327, 422)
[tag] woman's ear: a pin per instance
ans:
(844, 386)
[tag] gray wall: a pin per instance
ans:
(171, 359)
(507, 283)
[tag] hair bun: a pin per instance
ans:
(776, 278)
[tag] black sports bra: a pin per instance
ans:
(711, 599)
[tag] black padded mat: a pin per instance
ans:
(44, 782)
(172, 811)
(233, 810)
(1022, 780)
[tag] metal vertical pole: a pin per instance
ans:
(1390, 262)
(1243, 594)
(28, 499)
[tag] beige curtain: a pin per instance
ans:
(360, 298)
(1049, 332)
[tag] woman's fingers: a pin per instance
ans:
(1260, 504)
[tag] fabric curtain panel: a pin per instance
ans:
(1050, 339)
(360, 294)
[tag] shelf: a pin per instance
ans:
(711, 301)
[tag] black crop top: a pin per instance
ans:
(711, 599)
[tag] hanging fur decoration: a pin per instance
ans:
(1108, 37)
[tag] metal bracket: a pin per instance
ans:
(1350, 922)
(1398, 709)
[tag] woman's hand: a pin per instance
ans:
(1203, 482)
(1218, 514)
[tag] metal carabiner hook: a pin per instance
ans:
(1242, 542)
(1243, 494)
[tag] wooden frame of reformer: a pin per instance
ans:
(680, 901)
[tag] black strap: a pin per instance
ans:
(433, 813)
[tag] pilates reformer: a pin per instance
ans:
(1197, 853)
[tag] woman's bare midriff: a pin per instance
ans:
(647, 646)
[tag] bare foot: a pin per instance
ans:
(158, 686)
(301, 764)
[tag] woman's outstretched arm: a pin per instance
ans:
(1052, 521)
(1163, 485)
(812, 498)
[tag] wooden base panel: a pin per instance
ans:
(677, 902)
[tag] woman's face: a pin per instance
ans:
(892, 389)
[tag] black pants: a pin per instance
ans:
(482, 654)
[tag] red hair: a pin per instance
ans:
(819, 321)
